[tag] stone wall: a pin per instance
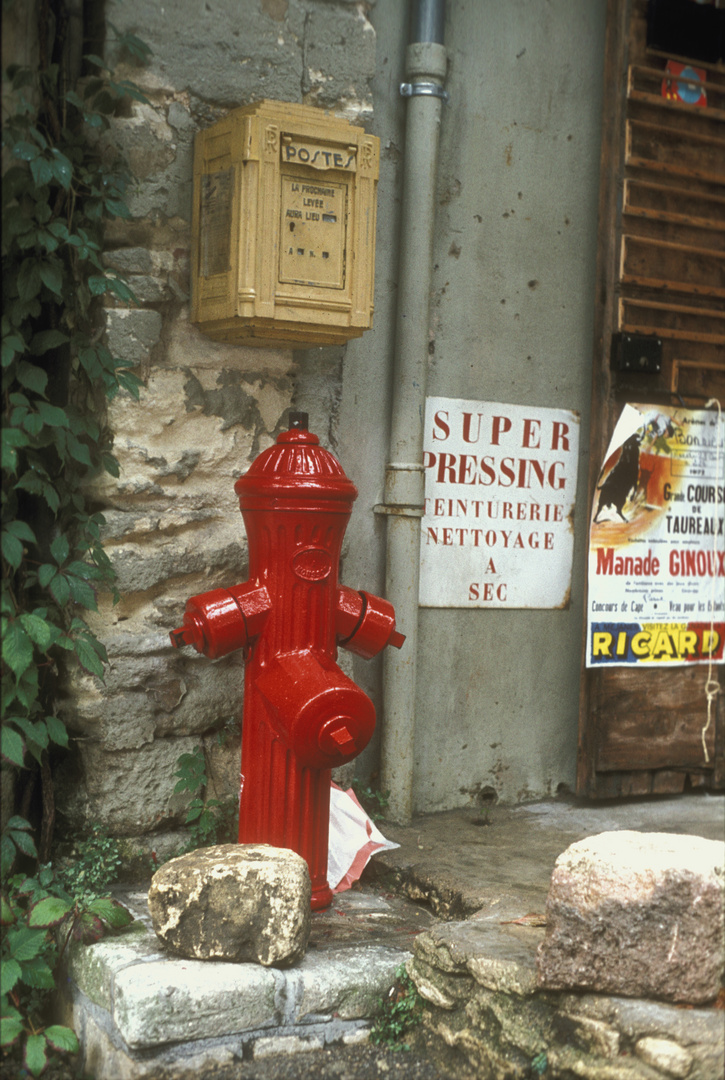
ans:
(485, 1014)
(173, 527)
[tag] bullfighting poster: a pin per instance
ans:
(656, 543)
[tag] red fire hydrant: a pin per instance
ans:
(302, 715)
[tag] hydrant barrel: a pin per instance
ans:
(302, 715)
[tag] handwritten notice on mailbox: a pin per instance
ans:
(500, 483)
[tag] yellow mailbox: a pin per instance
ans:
(284, 227)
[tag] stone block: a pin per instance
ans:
(168, 1001)
(665, 1055)
(286, 1044)
(348, 982)
(241, 902)
(126, 792)
(94, 967)
(132, 333)
(639, 914)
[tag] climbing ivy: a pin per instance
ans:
(62, 180)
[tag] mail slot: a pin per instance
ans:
(284, 227)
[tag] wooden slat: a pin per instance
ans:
(669, 782)
(652, 719)
(644, 85)
(677, 153)
(673, 205)
(694, 379)
(669, 320)
(679, 268)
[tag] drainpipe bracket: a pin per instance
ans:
(399, 511)
(424, 89)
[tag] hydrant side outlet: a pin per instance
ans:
(302, 715)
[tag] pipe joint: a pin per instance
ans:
(426, 61)
(405, 487)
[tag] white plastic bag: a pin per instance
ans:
(353, 839)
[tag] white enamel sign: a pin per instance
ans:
(500, 483)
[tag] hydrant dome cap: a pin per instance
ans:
(294, 464)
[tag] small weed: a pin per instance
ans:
(374, 802)
(539, 1064)
(210, 820)
(401, 1010)
(95, 865)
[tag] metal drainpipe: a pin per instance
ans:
(404, 482)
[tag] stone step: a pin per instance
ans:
(138, 1010)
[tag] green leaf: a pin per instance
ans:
(12, 746)
(60, 549)
(102, 906)
(57, 730)
(38, 630)
(11, 346)
(117, 208)
(60, 590)
(12, 549)
(51, 274)
(11, 972)
(10, 1029)
(7, 918)
(98, 284)
(79, 451)
(32, 377)
(110, 464)
(24, 843)
(62, 169)
(46, 573)
(52, 415)
(42, 171)
(93, 59)
(29, 280)
(18, 823)
(26, 943)
(22, 530)
(17, 649)
(38, 974)
(62, 1038)
(82, 592)
(48, 912)
(26, 151)
(35, 1056)
(47, 339)
(88, 657)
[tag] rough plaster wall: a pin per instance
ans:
(511, 321)
(206, 410)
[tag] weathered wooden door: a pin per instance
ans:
(661, 272)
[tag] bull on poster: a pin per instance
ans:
(500, 484)
(656, 582)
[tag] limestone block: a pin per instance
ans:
(162, 1001)
(340, 62)
(132, 334)
(127, 792)
(639, 914)
(286, 1044)
(347, 982)
(183, 446)
(152, 694)
(234, 902)
(665, 1055)
(229, 54)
